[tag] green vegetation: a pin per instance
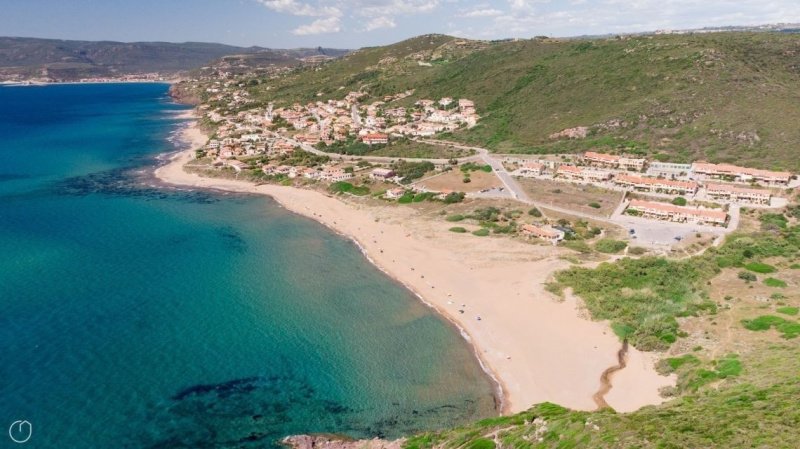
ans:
(454, 197)
(595, 205)
(455, 217)
(772, 282)
(792, 311)
(458, 229)
(679, 201)
(346, 187)
(482, 232)
(644, 295)
(721, 96)
(407, 198)
(788, 329)
(410, 171)
(610, 246)
(534, 212)
(759, 267)
(747, 276)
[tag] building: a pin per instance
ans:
(645, 184)
(335, 174)
(531, 169)
(735, 173)
(545, 233)
(393, 194)
(574, 173)
(668, 169)
(738, 194)
(375, 139)
(680, 214)
(382, 174)
(610, 160)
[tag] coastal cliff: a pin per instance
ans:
(182, 93)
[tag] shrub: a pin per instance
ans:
(482, 232)
(772, 282)
(456, 217)
(610, 246)
(788, 329)
(424, 196)
(407, 198)
(788, 310)
(458, 229)
(759, 267)
(747, 276)
(578, 245)
(454, 197)
(637, 250)
(534, 212)
(679, 201)
(595, 205)
(346, 187)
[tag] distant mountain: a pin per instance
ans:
(64, 60)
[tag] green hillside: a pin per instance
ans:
(70, 60)
(723, 97)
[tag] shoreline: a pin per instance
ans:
(533, 348)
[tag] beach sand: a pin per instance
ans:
(536, 347)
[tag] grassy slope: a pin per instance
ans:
(702, 96)
(722, 400)
(757, 409)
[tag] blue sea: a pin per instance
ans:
(134, 315)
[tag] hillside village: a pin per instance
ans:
(341, 143)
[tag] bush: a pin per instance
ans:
(595, 205)
(792, 311)
(346, 187)
(458, 229)
(482, 232)
(747, 277)
(679, 201)
(772, 282)
(534, 212)
(759, 267)
(610, 246)
(454, 197)
(407, 198)
(424, 196)
(578, 245)
(788, 329)
(454, 218)
(637, 250)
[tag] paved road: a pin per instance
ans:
(647, 231)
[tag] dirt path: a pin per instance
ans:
(605, 378)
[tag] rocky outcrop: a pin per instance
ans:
(578, 132)
(334, 442)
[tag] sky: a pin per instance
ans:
(360, 23)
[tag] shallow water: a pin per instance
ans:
(137, 316)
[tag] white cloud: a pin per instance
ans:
(319, 26)
(391, 8)
(380, 23)
(483, 12)
(297, 8)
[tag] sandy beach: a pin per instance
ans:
(537, 347)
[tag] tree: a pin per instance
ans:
(679, 201)
(535, 212)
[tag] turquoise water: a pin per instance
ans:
(137, 316)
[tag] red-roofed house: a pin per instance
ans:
(669, 212)
(375, 139)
